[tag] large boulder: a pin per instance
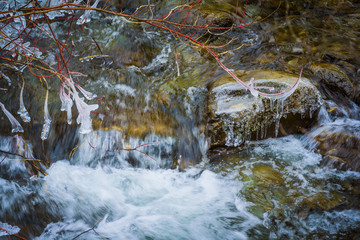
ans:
(235, 115)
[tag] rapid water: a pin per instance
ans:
(124, 202)
(255, 193)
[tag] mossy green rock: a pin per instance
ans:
(234, 115)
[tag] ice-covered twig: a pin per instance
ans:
(285, 94)
(66, 103)
(16, 127)
(22, 110)
(136, 149)
(83, 108)
(88, 95)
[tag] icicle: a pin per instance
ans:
(282, 105)
(277, 125)
(254, 92)
(16, 127)
(47, 120)
(84, 114)
(265, 131)
(66, 103)
(22, 111)
(271, 103)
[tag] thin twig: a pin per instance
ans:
(92, 229)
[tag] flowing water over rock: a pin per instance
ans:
(179, 150)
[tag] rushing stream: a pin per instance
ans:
(147, 170)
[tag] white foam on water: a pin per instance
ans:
(8, 164)
(139, 203)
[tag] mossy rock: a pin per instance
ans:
(234, 115)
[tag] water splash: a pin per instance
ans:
(135, 203)
(105, 148)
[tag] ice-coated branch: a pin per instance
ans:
(83, 108)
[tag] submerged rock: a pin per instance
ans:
(319, 202)
(235, 115)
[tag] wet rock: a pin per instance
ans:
(267, 175)
(333, 77)
(319, 202)
(234, 115)
(264, 185)
(216, 17)
(209, 13)
(340, 149)
(138, 124)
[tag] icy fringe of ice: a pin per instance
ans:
(16, 126)
(83, 108)
(22, 110)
